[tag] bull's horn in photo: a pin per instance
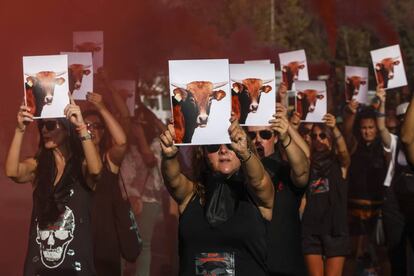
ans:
(30, 75)
(239, 81)
(396, 58)
(219, 84)
(87, 66)
(267, 81)
(58, 74)
(179, 85)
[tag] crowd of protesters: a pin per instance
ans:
(290, 198)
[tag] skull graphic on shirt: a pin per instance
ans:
(55, 238)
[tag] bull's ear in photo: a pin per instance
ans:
(378, 66)
(30, 80)
(266, 88)
(60, 81)
(348, 80)
(218, 95)
(180, 94)
(300, 95)
(237, 87)
(320, 96)
(284, 68)
(86, 72)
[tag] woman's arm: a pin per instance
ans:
(179, 186)
(349, 120)
(298, 161)
(341, 149)
(407, 132)
(92, 158)
(257, 177)
(117, 151)
(385, 134)
(20, 172)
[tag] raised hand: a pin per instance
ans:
(353, 106)
(238, 139)
(380, 93)
(330, 120)
(24, 117)
(280, 123)
(282, 91)
(167, 142)
(73, 113)
(95, 99)
(295, 120)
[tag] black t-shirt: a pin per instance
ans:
(236, 247)
(285, 249)
(367, 172)
(63, 247)
(326, 204)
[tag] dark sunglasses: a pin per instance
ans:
(50, 125)
(94, 126)
(322, 136)
(215, 148)
(264, 134)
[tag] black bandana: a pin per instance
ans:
(321, 162)
(222, 197)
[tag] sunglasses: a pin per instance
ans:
(94, 126)
(215, 148)
(322, 136)
(50, 125)
(264, 134)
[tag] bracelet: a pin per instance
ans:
(247, 159)
(380, 114)
(85, 137)
(339, 136)
(81, 127)
(165, 157)
(290, 140)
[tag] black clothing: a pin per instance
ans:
(285, 249)
(326, 245)
(326, 199)
(237, 244)
(63, 247)
(107, 256)
(367, 171)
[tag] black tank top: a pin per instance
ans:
(367, 172)
(236, 247)
(64, 247)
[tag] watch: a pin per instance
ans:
(85, 137)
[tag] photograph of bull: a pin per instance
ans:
(191, 106)
(91, 42)
(356, 84)
(40, 88)
(311, 101)
(294, 67)
(245, 96)
(389, 67)
(80, 74)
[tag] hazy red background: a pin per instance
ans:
(140, 36)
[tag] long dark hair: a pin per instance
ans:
(50, 199)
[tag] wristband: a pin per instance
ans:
(81, 127)
(380, 114)
(339, 136)
(85, 137)
(247, 159)
(290, 140)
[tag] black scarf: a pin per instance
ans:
(321, 163)
(222, 197)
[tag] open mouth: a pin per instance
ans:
(260, 150)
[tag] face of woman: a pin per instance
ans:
(320, 140)
(223, 160)
(368, 130)
(95, 127)
(53, 133)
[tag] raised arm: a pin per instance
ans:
(407, 132)
(341, 148)
(298, 161)
(385, 134)
(92, 158)
(349, 121)
(179, 186)
(119, 140)
(257, 177)
(20, 171)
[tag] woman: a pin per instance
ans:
(64, 173)
(324, 222)
(108, 209)
(224, 214)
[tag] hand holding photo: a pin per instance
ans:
(46, 85)
(311, 102)
(389, 67)
(201, 104)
